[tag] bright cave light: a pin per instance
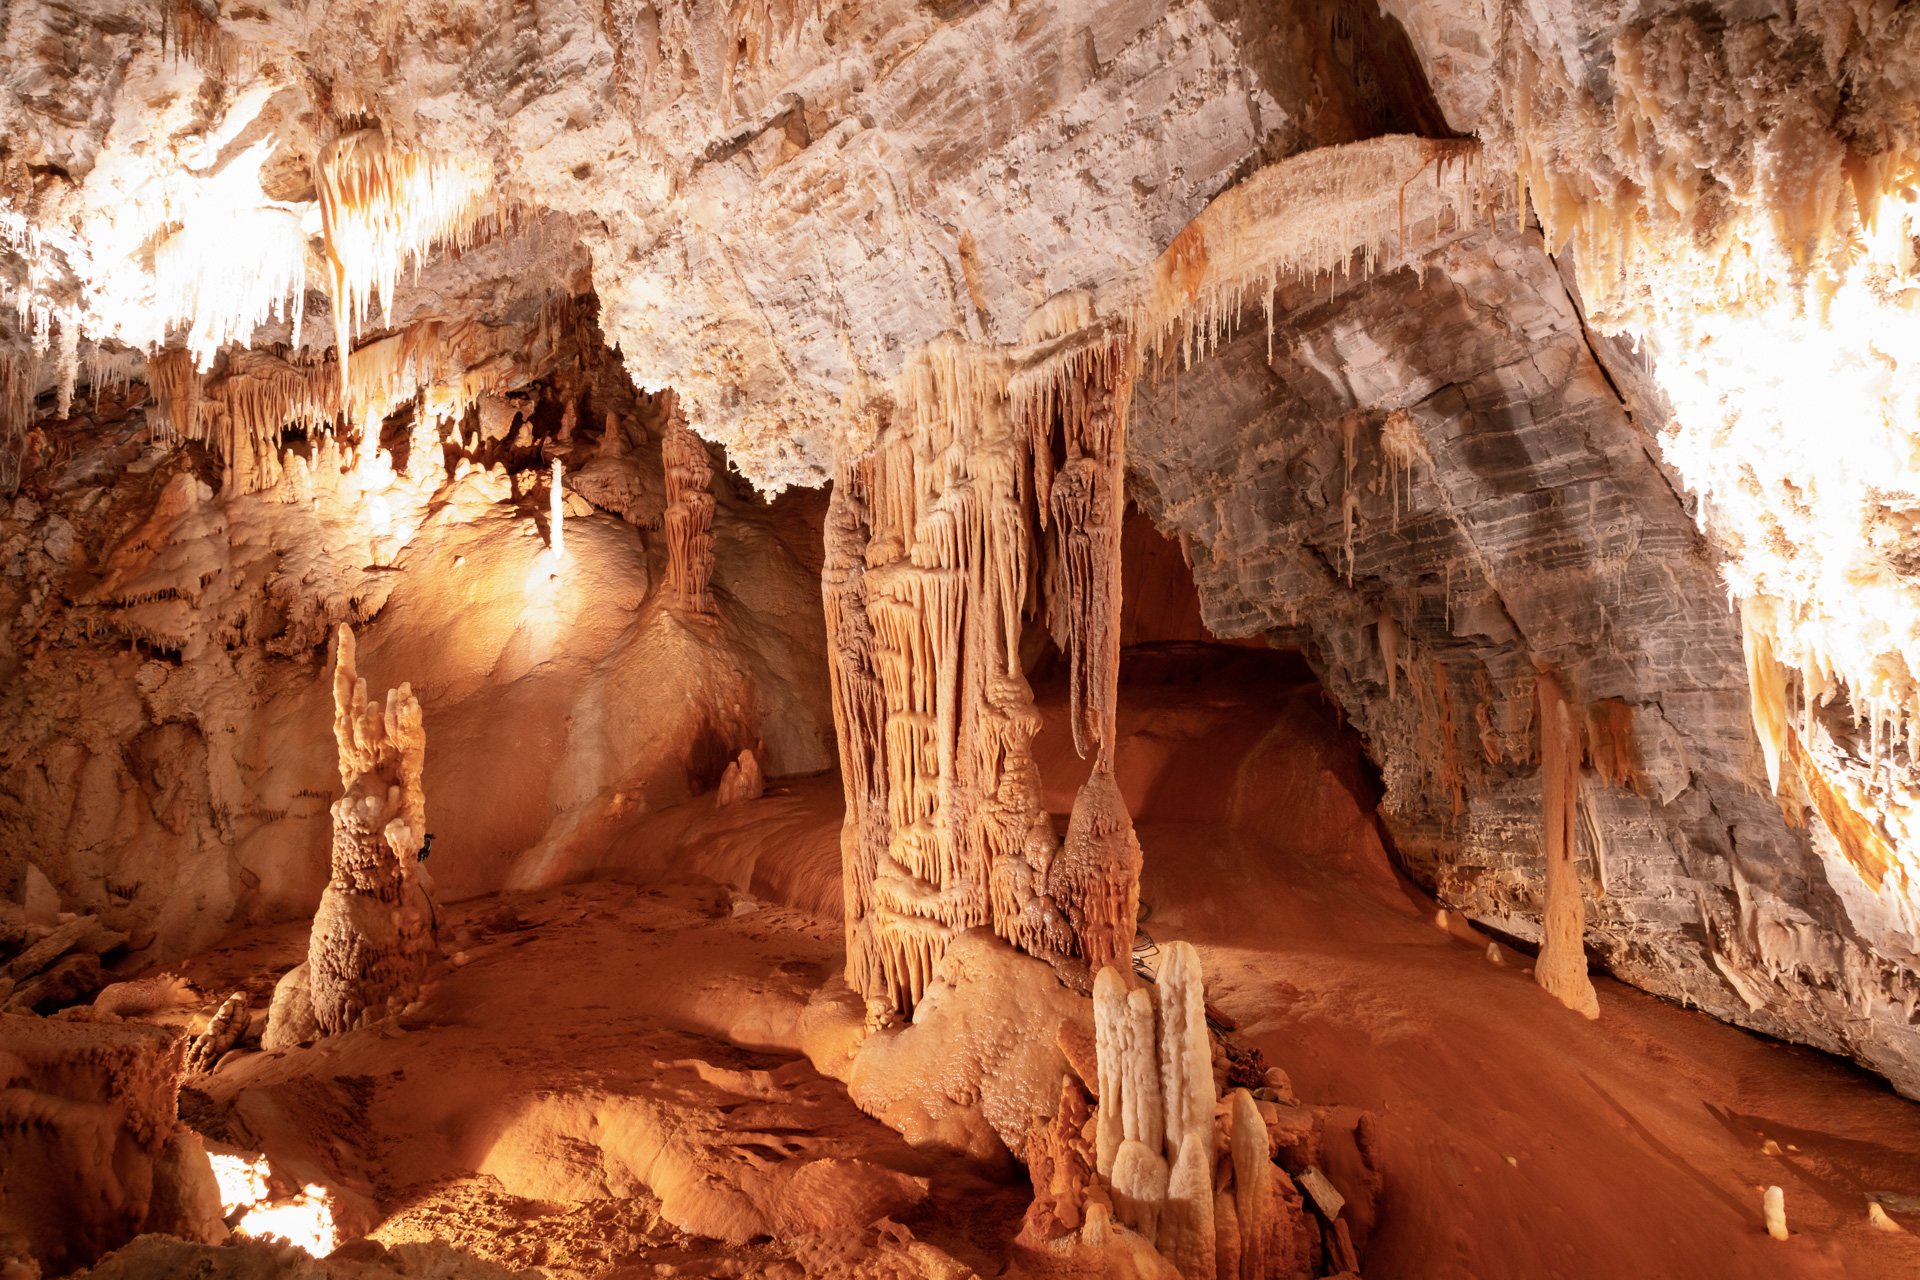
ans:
(305, 1220)
(242, 1179)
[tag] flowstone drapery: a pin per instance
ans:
(373, 934)
(689, 515)
(933, 566)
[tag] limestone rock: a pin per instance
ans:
(980, 1062)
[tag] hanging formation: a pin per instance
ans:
(934, 565)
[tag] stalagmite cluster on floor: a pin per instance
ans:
(1191, 1173)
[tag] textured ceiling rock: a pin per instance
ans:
(779, 203)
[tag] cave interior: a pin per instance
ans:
(943, 639)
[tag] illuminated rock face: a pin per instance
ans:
(1437, 483)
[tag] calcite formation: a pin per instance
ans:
(373, 936)
(689, 515)
(1225, 1213)
(931, 560)
(1562, 968)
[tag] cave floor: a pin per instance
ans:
(1515, 1138)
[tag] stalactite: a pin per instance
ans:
(372, 935)
(1766, 690)
(1297, 219)
(1079, 398)
(1447, 766)
(232, 266)
(1562, 966)
(17, 385)
(689, 515)
(1392, 645)
(382, 206)
(176, 385)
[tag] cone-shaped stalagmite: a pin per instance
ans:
(1139, 1187)
(1252, 1185)
(1186, 1223)
(1096, 878)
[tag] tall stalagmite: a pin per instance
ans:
(373, 934)
(1186, 1051)
(1562, 967)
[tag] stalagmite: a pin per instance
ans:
(1139, 1187)
(1145, 1120)
(741, 780)
(689, 515)
(557, 513)
(1060, 1164)
(1253, 1190)
(223, 1031)
(1562, 966)
(1773, 1206)
(1096, 878)
(1226, 1233)
(1186, 1051)
(1187, 1236)
(373, 934)
(1109, 1031)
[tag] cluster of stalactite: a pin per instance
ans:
(689, 515)
(933, 546)
(242, 409)
(373, 935)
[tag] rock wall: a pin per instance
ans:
(1454, 472)
(165, 688)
